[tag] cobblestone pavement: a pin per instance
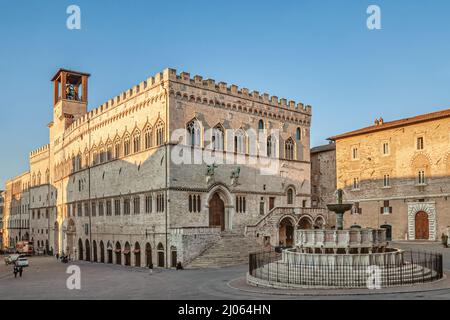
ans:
(46, 279)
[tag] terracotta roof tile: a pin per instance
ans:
(395, 124)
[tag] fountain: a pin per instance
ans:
(339, 209)
(342, 258)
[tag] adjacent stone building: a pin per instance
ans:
(398, 175)
(16, 219)
(160, 172)
(2, 204)
(323, 175)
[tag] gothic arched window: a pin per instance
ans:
(137, 142)
(148, 137)
(239, 141)
(218, 138)
(261, 125)
(290, 196)
(193, 133)
(160, 133)
(298, 134)
(271, 147)
(289, 149)
(126, 145)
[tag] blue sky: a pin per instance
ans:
(317, 52)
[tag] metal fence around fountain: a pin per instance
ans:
(416, 267)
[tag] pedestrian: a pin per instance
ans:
(57, 256)
(15, 271)
(20, 271)
(150, 266)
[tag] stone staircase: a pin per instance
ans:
(230, 250)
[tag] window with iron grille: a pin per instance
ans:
(136, 205)
(100, 209)
(108, 208)
(94, 209)
(117, 207)
(241, 204)
(126, 206)
(148, 204)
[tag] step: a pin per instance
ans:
(231, 249)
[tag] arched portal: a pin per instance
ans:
(305, 223)
(94, 250)
(118, 253)
(160, 249)
(102, 252)
(388, 231)
(127, 254)
(56, 237)
(319, 223)
(220, 204)
(70, 233)
(217, 212)
(137, 254)
(148, 255)
(422, 226)
(88, 251)
(174, 258)
(109, 248)
(286, 232)
(80, 249)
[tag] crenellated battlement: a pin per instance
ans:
(40, 151)
(121, 98)
(198, 82)
(223, 87)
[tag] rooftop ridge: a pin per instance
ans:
(383, 125)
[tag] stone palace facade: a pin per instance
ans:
(123, 184)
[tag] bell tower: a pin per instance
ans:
(70, 95)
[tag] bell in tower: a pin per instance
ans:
(70, 94)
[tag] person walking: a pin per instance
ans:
(15, 271)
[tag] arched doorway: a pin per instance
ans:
(286, 233)
(94, 248)
(127, 254)
(173, 251)
(305, 223)
(217, 212)
(148, 255)
(102, 252)
(388, 231)
(422, 226)
(319, 223)
(118, 253)
(56, 237)
(137, 254)
(109, 248)
(88, 251)
(160, 249)
(80, 249)
(70, 233)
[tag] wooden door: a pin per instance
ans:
(161, 259)
(271, 203)
(217, 212)
(422, 226)
(174, 259)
